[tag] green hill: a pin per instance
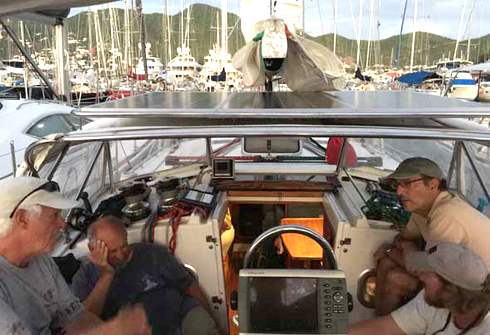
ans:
(202, 34)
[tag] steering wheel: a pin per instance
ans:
(328, 255)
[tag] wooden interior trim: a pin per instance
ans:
(276, 185)
(276, 194)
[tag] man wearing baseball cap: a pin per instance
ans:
(34, 298)
(436, 216)
(455, 299)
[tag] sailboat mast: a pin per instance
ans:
(26, 68)
(113, 51)
(224, 27)
(126, 35)
(139, 10)
(398, 47)
(304, 21)
(335, 18)
(413, 34)
(182, 23)
(459, 30)
(169, 32)
(359, 33)
(370, 31)
(468, 30)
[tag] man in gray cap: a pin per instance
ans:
(34, 297)
(455, 299)
(437, 216)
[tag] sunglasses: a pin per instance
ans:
(406, 183)
(50, 186)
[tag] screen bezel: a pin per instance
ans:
(230, 171)
(247, 274)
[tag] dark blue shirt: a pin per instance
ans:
(153, 277)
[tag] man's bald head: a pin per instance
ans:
(111, 231)
(104, 226)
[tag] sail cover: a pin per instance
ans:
(308, 66)
(11, 7)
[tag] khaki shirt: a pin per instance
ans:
(451, 219)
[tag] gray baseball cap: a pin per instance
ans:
(417, 165)
(455, 263)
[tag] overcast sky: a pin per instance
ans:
(440, 17)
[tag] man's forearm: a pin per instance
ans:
(83, 323)
(384, 325)
(96, 299)
(131, 321)
(110, 327)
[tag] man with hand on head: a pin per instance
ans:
(119, 274)
(455, 299)
(436, 216)
(34, 297)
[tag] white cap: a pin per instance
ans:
(13, 190)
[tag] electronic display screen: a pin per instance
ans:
(283, 305)
(222, 167)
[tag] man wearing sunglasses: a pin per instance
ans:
(34, 297)
(455, 299)
(437, 216)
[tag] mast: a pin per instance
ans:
(126, 35)
(182, 23)
(398, 47)
(378, 57)
(164, 27)
(370, 32)
(111, 18)
(187, 27)
(359, 33)
(459, 30)
(26, 69)
(304, 21)
(139, 10)
(168, 32)
(335, 18)
(413, 34)
(468, 30)
(224, 27)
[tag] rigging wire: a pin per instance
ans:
(321, 22)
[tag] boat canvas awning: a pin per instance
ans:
(43, 11)
(482, 67)
(287, 107)
(417, 78)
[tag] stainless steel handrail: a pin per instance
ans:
(328, 254)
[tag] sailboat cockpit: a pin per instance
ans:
(264, 195)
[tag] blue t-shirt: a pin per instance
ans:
(152, 277)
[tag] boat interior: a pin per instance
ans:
(212, 175)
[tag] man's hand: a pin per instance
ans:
(133, 321)
(98, 256)
(407, 246)
(381, 252)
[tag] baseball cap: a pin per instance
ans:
(13, 191)
(455, 263)
(417, 165)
